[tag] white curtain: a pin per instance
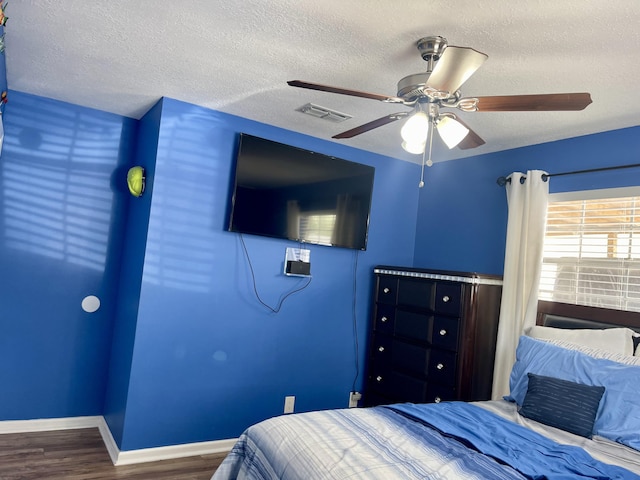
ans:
(527, 198)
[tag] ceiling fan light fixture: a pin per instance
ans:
(448, 68)
(451, 131)
(416, 148)
(416, 129)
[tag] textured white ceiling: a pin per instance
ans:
(236, 57)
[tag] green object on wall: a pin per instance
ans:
(135, 181)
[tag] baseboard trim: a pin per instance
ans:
(127, 457)
(48, 424)
(108, 440)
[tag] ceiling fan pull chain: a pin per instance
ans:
(429, 162)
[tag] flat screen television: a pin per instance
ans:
(287, 192)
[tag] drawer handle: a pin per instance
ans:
(378, 378)
(443, 332)
(437, 399)
(446, 298)
(381, 349)
(384, 319)
(386, 290)
(440, 366)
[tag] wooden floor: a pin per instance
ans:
(81, 455)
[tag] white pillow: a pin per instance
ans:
(597, 353)
(615, 340)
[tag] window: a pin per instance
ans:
(592, 249)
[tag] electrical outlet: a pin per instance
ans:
(289, 403)
(354, 398)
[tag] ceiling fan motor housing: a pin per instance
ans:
(411, 87)
(432, 47)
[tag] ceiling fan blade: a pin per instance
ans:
(455, 66)
(344, 91)
(532, 103)
(371, 125)
(472, 140)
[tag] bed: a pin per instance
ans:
(572, 412)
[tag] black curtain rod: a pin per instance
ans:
(502, 181)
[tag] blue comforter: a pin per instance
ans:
(528, 452)
(405, 441)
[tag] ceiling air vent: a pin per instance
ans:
(324, 113)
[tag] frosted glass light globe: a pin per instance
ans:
(415, 148)
(416, 129)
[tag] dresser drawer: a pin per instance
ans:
(393, 387)
(413, 325)
(445, 332)
(416, 293)
(389, 354)
(379, 379)
(381, 347)
(439, 331)
(439, 393)
(448, 298)
(387, 290)
(442, 367)
(384, 320)
(399, 387)
(410, 358)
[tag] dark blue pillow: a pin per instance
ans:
(562, 404)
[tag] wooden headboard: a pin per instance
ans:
(564, 315)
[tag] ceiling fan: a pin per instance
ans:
(448, 67)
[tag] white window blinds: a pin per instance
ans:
(592, 253)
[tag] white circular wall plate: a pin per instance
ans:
(90, 303)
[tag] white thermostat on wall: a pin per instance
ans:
(297, 261)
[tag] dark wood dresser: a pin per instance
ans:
(433, 336)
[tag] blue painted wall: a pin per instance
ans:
(181, 350)
(130, 279)
(462, 215)
(208, 358)
(60, 240)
